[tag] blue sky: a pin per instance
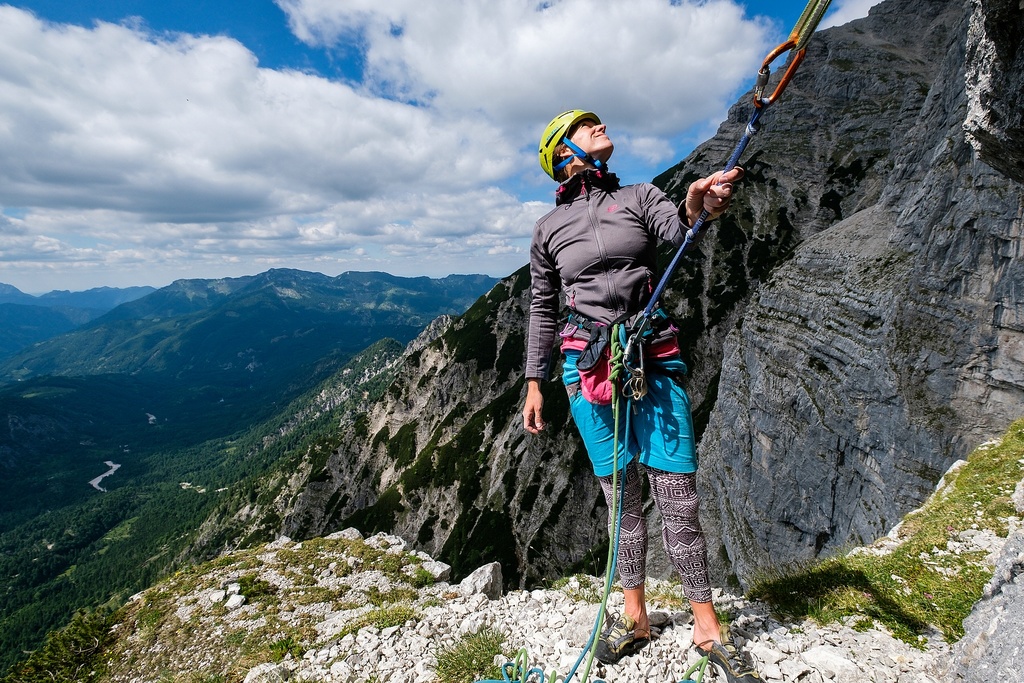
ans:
(142, 141)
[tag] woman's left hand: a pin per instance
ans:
(712, 193)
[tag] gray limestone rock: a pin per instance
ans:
(891, 342)
(267, 673)
(349, 534)
(995, 85)
(485, 581)
(992, 648)
(235, 601)
(833, 661)
(439, 570)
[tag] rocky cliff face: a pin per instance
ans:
(443, 460)
(891, 342)
(995, 85)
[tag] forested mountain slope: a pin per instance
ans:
(185, 401)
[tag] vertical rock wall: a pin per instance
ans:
(890, 344)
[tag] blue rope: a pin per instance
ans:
(753, 126)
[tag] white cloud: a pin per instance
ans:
(651, 66)
(135, 155)
(96, 112)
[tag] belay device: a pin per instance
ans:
(629, 357)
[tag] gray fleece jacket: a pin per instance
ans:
(598, 249)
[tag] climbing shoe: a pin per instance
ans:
(621, 639)
(735, 665)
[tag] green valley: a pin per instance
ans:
(195, 392)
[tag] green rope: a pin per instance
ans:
(615, 372)
(698, 668)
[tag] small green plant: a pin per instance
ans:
(863, 624)
(254, 588)
(378, 598)
(149, 618)
(285, 646)
(421, 578)
(236, 638)
(390, 564)
(668, 595)
(472, 658)
(382, 617)
(581, 588)
(318, 594)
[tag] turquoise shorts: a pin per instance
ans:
(659, 432)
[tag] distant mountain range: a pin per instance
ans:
(26, 319)
(225, 326)
(97, 298)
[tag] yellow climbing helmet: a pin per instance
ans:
(555, 134)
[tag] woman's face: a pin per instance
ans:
(590, 137)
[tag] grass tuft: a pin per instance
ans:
(381, 618)
(581, 588)
(472, 658)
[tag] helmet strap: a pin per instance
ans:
(578, 153)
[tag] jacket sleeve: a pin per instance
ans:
(545, 287)
(662, 216)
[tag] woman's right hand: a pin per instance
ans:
(533, 421)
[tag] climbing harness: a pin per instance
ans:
(627, 340)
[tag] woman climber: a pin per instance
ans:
(598, 248)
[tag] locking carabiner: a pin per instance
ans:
(765, 72)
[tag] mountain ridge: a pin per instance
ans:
(225, 326)
(26, 319)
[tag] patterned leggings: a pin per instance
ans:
(676, 497)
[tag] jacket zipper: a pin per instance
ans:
(612, 297)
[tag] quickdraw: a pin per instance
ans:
(796, 44)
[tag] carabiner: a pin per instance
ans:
(798, 37)
(765, 72)
(636, 386)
